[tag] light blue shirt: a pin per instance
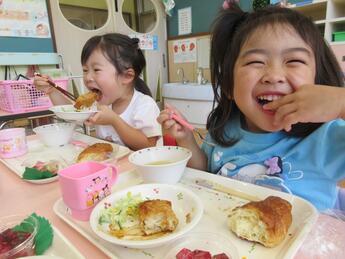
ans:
(309, 167)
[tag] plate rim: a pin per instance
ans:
(71, 112)
(43, 181)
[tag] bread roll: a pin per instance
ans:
(266, 222)
(95, 152)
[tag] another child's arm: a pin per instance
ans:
(184, 138)
(309, 103)
(133, 138)
(41, 83)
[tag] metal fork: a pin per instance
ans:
(202, 138)
(184, 123)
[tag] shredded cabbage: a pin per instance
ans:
(122, 214)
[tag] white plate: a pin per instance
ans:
(43, 181)
(32, 158)
(66, 154)
(69, 113)
(206, 241)
(183, 202)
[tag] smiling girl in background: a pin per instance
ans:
(126, 113)
(279, 98)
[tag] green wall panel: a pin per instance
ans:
(203, 14)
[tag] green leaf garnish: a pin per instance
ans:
(45, 233)
(35, 174)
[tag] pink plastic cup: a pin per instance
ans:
(13, 142)
(84, 184)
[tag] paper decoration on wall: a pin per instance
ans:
(184, 50)
(185, 21)
(169, 6)
(146, 41)
(203, 52)
(20, 18)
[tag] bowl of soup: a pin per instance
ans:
(164, 164)
(56, 134)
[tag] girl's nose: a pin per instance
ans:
(88, 78)
(274, 75)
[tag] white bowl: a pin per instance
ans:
(183, 201)
(69, 113)
(55, 135)
(164, 164)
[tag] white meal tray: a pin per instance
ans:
(37, 151)
(216, 209)
(62, 248)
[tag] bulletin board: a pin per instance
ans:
(26, 31)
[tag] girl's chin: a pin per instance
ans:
(265, 127)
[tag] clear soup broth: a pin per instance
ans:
(160, 162)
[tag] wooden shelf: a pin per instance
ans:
(327, 13)
(329, 16)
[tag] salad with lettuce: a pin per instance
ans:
(123, 214)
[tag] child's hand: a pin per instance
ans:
(172, 127)
(41, 83)
(104, 116)
(309, 103)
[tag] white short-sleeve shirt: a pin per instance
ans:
(141, 113)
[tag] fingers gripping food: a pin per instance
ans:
(86, 100)
(157, 216)
(95, 152)
(266, 222)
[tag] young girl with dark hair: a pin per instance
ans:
(126, 113)
(279, 105)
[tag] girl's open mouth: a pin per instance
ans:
(98, 92)
(264, 99)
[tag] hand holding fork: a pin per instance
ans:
(188, 126)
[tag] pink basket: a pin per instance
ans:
(22, 96)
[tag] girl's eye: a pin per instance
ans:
(255, 62)
(84, 71)
(297, 61)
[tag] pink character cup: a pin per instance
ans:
(84, 184)
(13, 142)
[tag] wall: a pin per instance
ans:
(203, 14)
(189, 68)
(90, 4)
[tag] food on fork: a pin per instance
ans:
(86, 100)
(266, 222)
(95, 152)
(157, 216)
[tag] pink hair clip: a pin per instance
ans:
(228, 3)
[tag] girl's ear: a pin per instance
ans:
(129, 75)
